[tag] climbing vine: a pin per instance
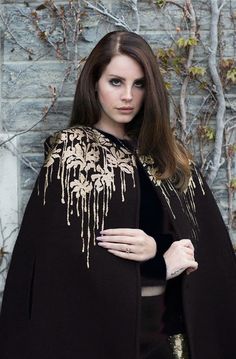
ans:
(209, 130)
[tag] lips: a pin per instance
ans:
(125, 108)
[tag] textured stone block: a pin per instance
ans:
(34, 80)
(28, 42)
(24, 114)
(33, 142)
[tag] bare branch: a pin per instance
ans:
(54, 98)
(219, 92)
(230, 119)
(175, 3)
(134, 6)
(196, 115)
(7, 28)
(31, 127)
(104, 11)
(229, 175)
(16, 153)
(183, 92)
(222, 5)
(229, 129)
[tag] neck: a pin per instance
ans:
(117, 131)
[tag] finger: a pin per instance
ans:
(124, 255)
(190, 270)
(116, 239)
(193, 265)
(121, 231)
(188, 251)
(186, 243)
(118, 247)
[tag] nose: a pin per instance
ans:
(127, 94)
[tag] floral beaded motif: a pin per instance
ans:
(85, 161)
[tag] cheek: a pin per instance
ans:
(105, 96)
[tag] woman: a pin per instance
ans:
(117, 254)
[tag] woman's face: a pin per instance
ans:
(120, 92)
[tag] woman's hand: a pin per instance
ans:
(128, 243)
(180, 257)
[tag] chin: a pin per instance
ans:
(124, 120)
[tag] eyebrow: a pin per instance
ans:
(122, 78)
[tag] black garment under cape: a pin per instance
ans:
(67, 298)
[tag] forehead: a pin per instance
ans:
(124, 66)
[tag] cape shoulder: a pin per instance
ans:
(85, 168)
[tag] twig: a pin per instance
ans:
(103, 10)
(183, 92)
(29, 51)
(31, 127)
(229, 175)
(230, 119)
(46, 35)
(175, 3)
(134, 6)
(216, 163)
(54, 98)
(2, 230)
(197, 114)
(229, 129)
(16, 153)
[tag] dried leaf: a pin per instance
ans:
(232, 150)
(35, 14)
(207, 132)
(42, 35)
(226, 63)
(41, 7)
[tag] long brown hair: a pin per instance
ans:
(151, 126)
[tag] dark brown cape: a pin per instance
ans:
(67, 298)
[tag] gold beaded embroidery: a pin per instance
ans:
(86, 162)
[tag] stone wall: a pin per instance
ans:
(33, 75)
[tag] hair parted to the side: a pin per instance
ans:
(151, 126)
